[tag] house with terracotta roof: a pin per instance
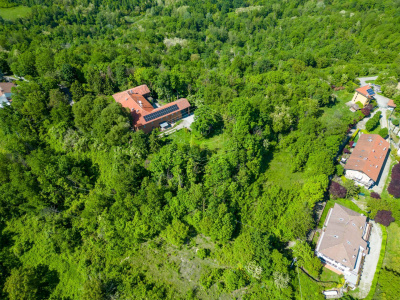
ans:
(144, 116)
(5, 93)
(343, 243)
(391, 105)
(367, 160)
(363, 95)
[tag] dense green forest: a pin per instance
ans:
(90, 209)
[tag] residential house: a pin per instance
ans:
(391, 105)
(5, 93)
(343, 243)
(145, 117)
(363, 95)
(367, 159)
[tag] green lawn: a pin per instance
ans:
(339, 111)
(14, 13)
(392, 255)
(278, 172)
(328, 275)
(185, 136)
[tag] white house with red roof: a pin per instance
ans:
(363, 95)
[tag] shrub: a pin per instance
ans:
(203, 253)
(395, 122)
(373, 122)
(351, 144)
(339, 170)
(337, 191)
(369, 106)
(383, 132)
(384, 217)
(396, 171)
(366, 111)
(360, 105)
(375, 195)
(352, 188)
(394, 186)
(347, 151)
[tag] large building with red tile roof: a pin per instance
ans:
(343, 242)
(145, 117)
(364, 95)
(367, 160)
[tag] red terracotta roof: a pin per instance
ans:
(133, 101)
(391, 103)
(363, 91)
(141, 90)
(368, 155)
(5, 87)
(140, 107)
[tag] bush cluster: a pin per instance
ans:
(394, 186)
(373, 122)
(337, 191)
(384, 132)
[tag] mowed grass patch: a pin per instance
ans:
(185, 136)
(13, 13)
(392, 255)
(278, 172)
(339, 112)
(328, 275)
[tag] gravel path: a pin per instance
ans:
(371, 261)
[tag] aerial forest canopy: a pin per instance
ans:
(90, 209)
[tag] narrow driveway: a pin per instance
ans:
(186, 122)
(371, 261)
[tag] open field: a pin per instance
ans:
(392, 255)
(14, 13)
(328, 275)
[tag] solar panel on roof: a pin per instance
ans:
(161, 113)
(370, 92)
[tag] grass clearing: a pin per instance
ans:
(278, 172)
(339, 111)
(392, 255)
(184, 136)
(328, 275)
(13, 13)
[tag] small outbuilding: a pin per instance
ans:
(391, 105)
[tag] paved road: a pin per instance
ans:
(371, 261)
(381, 100)
(364, 79)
